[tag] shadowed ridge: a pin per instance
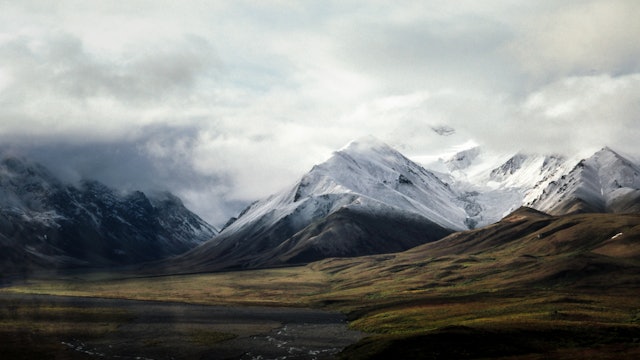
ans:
(367, 233)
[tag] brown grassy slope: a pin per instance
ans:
(525, 249)
(531, 286)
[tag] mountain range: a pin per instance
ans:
(366, 199)
(46, 224)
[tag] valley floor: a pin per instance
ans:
(239, 315)
(60, 327)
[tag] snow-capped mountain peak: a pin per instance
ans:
(366, 144)
(490, 184)
(615, 171)
(365, 185)
(374, 172)
(604, 182)
(463, 159)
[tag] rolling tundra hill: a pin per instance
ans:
(531, 286)
(525, 250)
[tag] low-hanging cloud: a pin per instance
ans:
(160, 160)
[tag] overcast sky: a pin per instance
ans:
(224, 102)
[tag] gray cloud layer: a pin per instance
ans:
(224, 102)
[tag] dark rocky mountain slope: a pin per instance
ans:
(46, 224)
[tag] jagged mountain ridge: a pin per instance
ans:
(367, 198)
(492, 187)
(604, 182)
(47, 224)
